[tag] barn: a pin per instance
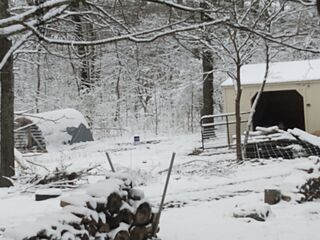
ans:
(291, 97)
(49, 131)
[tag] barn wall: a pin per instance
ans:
(309, 90)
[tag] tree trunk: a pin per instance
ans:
(238, 115)
(207, 66)
(7, 106)
(86, 53)
(38, 81)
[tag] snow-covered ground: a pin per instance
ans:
(204, 192)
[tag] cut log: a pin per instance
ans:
(143, 214)
(91, 228)
(122, 235)
(114, 203)
(272, 196)
(112, 221)
(138, 233)
(101, 207)
(126, 216)
(104, 228)
(45, 194)
(135, 194)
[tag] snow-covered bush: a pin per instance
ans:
(304, 183)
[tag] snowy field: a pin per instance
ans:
(204, 192)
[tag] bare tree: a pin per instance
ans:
(7, 101)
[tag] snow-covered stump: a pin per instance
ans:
(110, 210)
(272, 196)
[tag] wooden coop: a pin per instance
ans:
(50, 130)
(27, 136)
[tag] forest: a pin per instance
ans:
(152, 69)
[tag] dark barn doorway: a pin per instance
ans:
(279, 108)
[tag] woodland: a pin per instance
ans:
(140, 65)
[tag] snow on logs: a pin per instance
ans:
(110, 209)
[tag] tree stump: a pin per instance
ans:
(272, 196)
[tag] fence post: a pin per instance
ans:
(156, 222)
(202, 134)
(110, 162)
(228, 131)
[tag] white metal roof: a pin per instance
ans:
(279, 72)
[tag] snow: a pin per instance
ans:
(260, 209)
(305, 136)
(49, 191)
(204, 192)
(53, 125)
(279, 72)
(105, 188)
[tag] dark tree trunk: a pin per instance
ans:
(207, 65)
(238, 115)
(88, 75)
(7, 106)
(207, 68)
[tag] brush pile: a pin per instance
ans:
(304, 183)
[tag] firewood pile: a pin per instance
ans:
(111, 210)
(273, 142)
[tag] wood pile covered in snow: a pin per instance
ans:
(109, 209)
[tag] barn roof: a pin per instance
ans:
(279, 72)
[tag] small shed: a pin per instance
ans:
(291, 97)
(50, 130)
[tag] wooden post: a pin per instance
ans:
(228, 131)
(110, 163)
(156, 222)
(201, 122)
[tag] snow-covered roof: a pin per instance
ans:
(53, 125)
(279, 72)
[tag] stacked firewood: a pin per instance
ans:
(109, 210)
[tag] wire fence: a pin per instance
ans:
(283, 148)
(218, 131)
